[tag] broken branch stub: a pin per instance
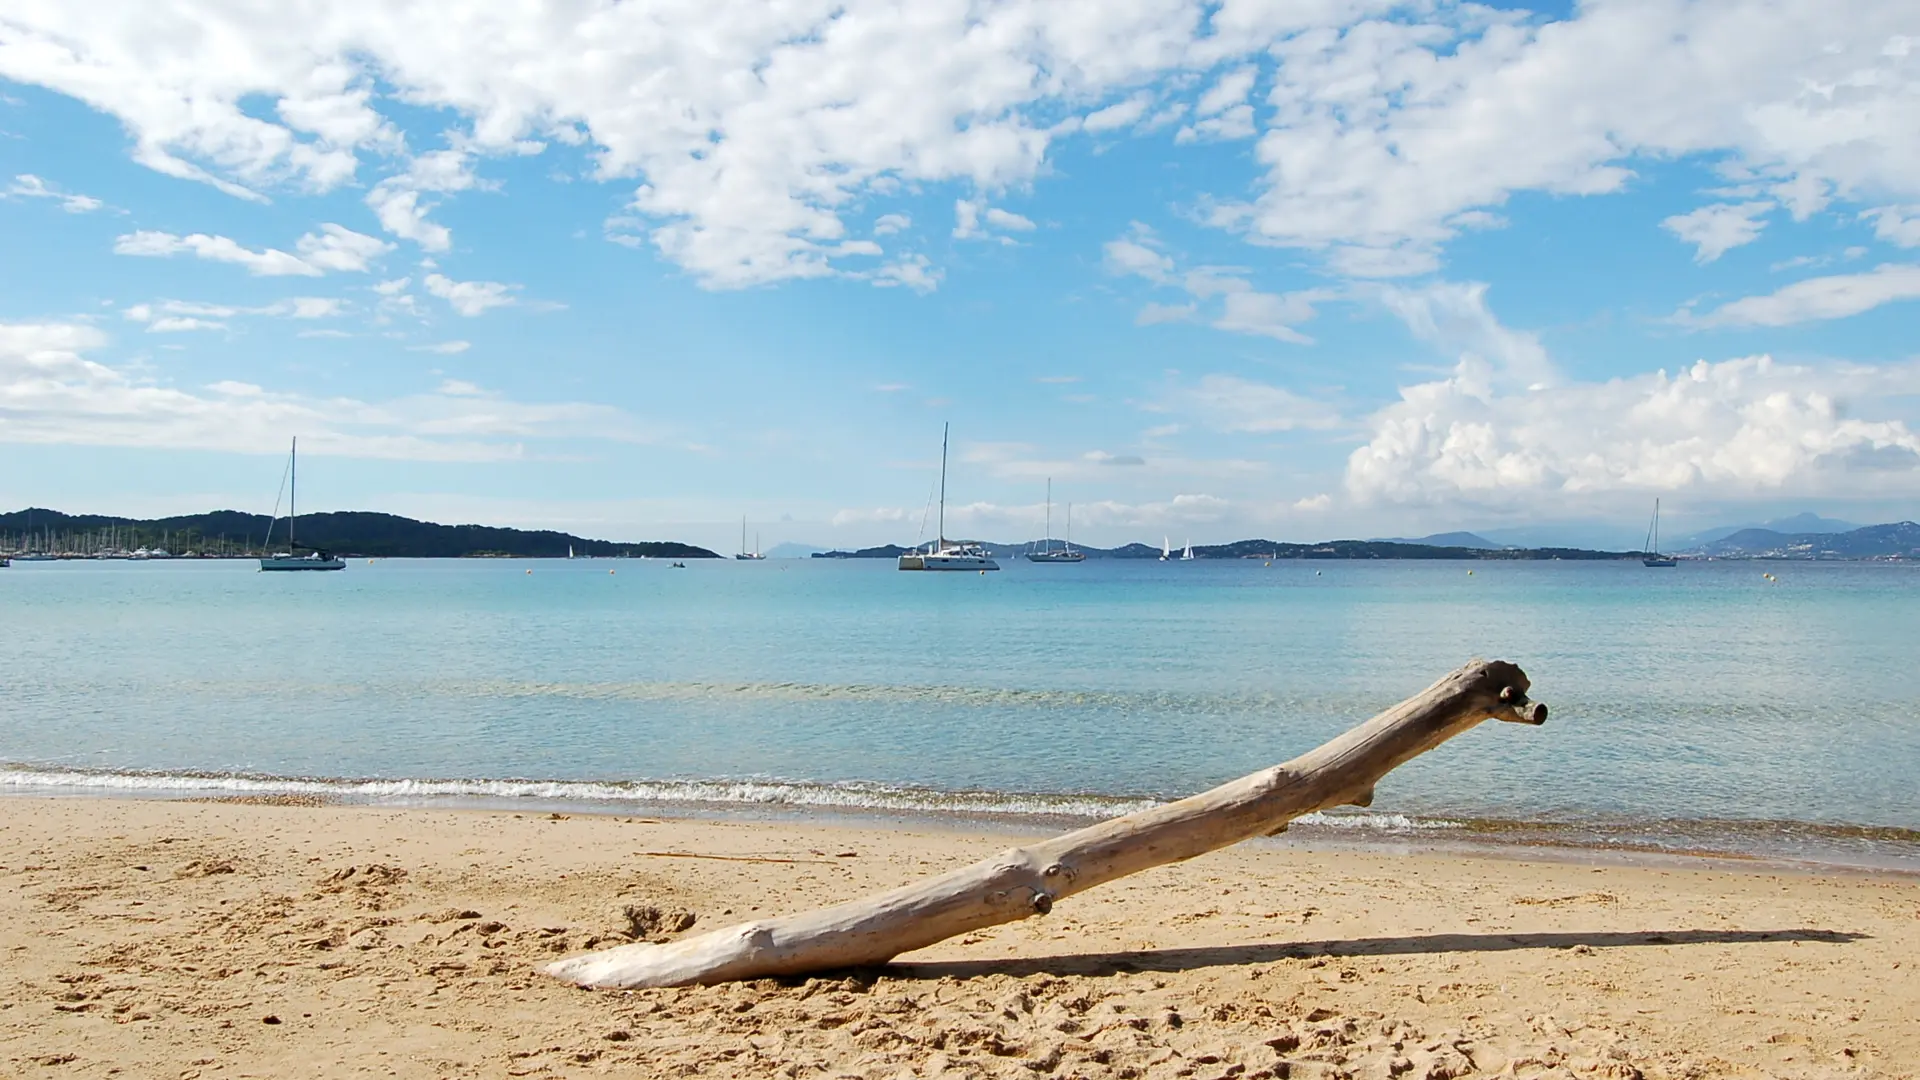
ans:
(1027, 881)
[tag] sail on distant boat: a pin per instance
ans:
(314, 559)
(1166, 549)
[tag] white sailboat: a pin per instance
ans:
(940, 555)
(1047, 553)
(750, 556)
(1186, 553)
(314, 559)
(1166, 549)
(1654, 558)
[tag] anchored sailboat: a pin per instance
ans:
(940, 555)
(744, 553)
(1654, 558)
(1047, 553)
(314, 559)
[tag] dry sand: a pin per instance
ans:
(158, 939)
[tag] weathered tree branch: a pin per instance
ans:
(1028, 881)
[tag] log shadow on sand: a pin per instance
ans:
(1171, 960)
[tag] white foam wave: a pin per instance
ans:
(768, 793)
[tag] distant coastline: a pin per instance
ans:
(1274, 549)
(360, 534)
(363, 534)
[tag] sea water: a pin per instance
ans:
(1705, 707)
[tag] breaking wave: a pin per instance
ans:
(766, 793)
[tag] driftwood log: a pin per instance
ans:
(1027, 881)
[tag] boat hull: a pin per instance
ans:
(302, 564)
(1056, 556)
(1659, 562)
(947, 562)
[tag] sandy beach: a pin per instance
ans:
(173, 939)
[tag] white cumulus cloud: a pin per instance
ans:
(1741, 427)
(470, 298)
(744, 133)
(1717, 229)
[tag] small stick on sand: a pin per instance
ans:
(731, 858)
(1023, 882)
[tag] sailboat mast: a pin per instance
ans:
(943, 488)
(293, 489)
(1656, 524)
(1069, 526)
(1047, 542)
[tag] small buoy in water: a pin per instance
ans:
(1469, 573)
(369, 562)
(529, 571)
(1269, 562)
(1316, 573)
(983, 573)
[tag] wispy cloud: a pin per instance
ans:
(56, 395)
(333, 247)
(1815, 299)
(29, 186)
(175, 316)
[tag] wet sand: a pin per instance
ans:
(171, 939)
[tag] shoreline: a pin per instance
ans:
(165, 937)
(1812, 847)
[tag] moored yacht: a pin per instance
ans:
(942, 555)
(1048, 553)
(314, 559)
(1654, 558)
(744, 554)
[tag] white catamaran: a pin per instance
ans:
(1048, 553)
(941, 555)
(314, 559)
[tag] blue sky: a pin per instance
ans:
(1220, 270)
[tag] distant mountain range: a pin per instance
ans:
(1900, 540)
(1447, 539)
(1797, 525)
(357, 533)
(792, 551)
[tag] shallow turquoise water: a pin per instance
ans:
(1698, 702)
